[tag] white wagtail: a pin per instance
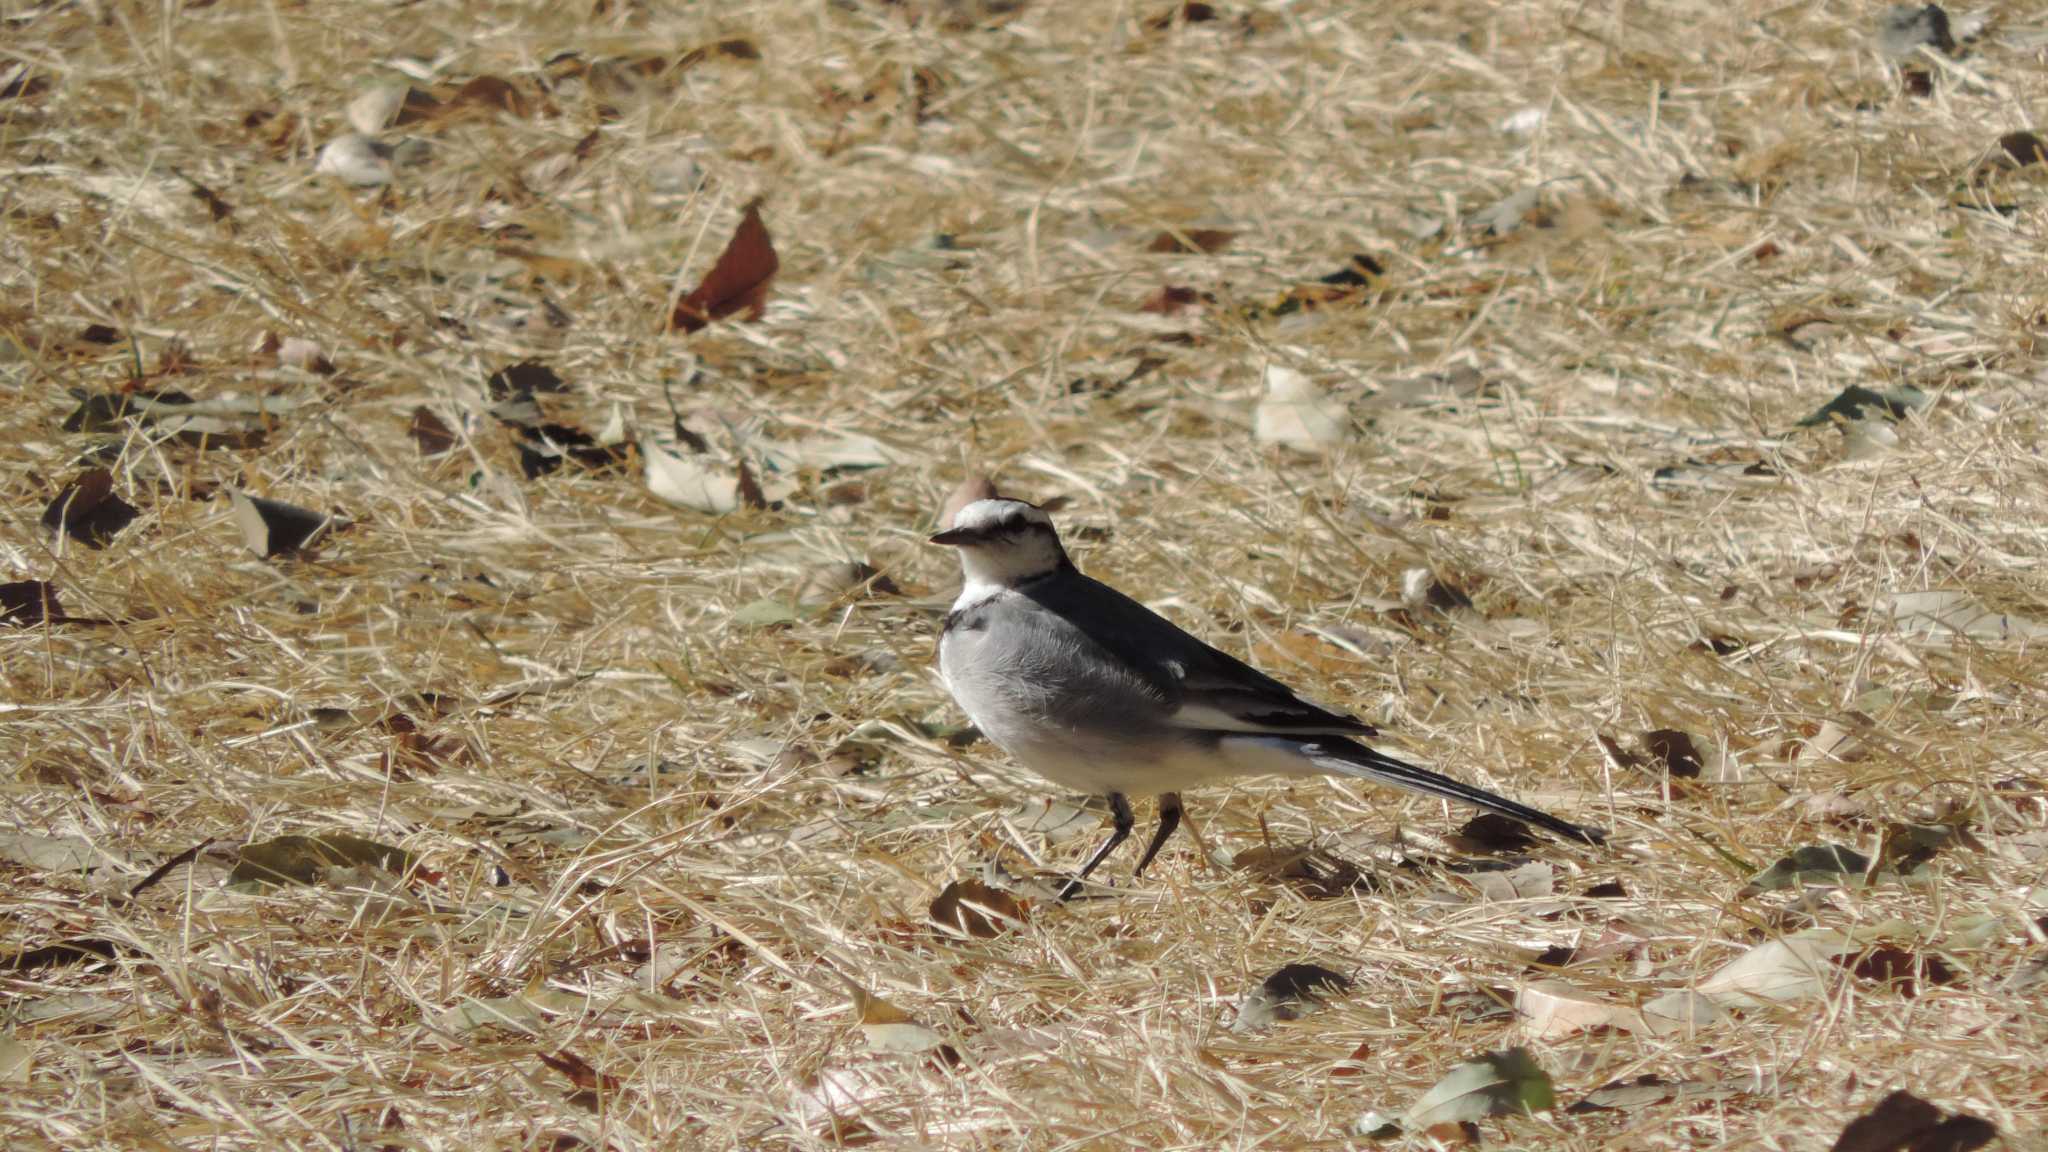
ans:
(1096, 692)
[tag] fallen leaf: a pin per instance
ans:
(2023, 149)
(1190, 12)
(1900, 970)
(737, 282)
(1952, 613)
(81, 950)
(20, 80)
(887, 1027)
(50, 853)
(492, 92)
(689, 481)
(1288, 994)
(430, 432)
(1811, 866)
(1431, 389)
(16, 1060)
(88, 511)
(1777, 971)
(1674, 751)
(1552, 1008)
(305, 859)
(273, 527)
(356, 160)
(1531, 881)
(1495, 1084)
(27, 602)
(592, 1086)
(1903, 1122)
(971, 908)
(1650, 1089)
(525, 378)
(1294, 412)
(1193, 240)
(1679, 1012)
(1314, 873)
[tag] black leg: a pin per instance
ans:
(1169, 819)
(1121, 822)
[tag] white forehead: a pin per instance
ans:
(989, 513)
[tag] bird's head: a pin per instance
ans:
(1003, 542)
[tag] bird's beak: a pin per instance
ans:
(954, 537)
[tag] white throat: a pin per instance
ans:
(1000, 566)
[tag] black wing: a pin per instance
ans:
(1210, 689)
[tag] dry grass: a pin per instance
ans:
(680, 929)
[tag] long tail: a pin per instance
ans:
(1340, 757)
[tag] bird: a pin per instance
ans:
(1095, 692)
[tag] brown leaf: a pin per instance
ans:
(2024, 148)
(21, 79)
(1902, 1122)
(1190, 12)
(76, 951)
(1493, 833)
(1192, 240)
(490, 92)
(737, 282)
(433, 436)
(88, 511)
(1675, 751)
(1314, 873)
(25, 602)
(590, 1083)
(971, 908)
(733, 48)
(1170, 300)
(1899, 969)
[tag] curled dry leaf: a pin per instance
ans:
(1903, 1122)
(697, 482)
(1778, 971)
(1674, 751)
(273, 527)
(88, 511)
(738, 282)
(1296, 413)
(1811, 866)
(973, 909)
(887, 1027)
(356, 160)
(1552, 1008)
(1947, 614)
(1288, 994)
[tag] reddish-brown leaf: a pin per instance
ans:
(1171, 299)
(1195, 240)
(491, 92)
(738, 282)
(430, 432)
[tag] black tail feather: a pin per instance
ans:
(1350, 758)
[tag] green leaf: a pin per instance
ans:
(1495, 1084)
